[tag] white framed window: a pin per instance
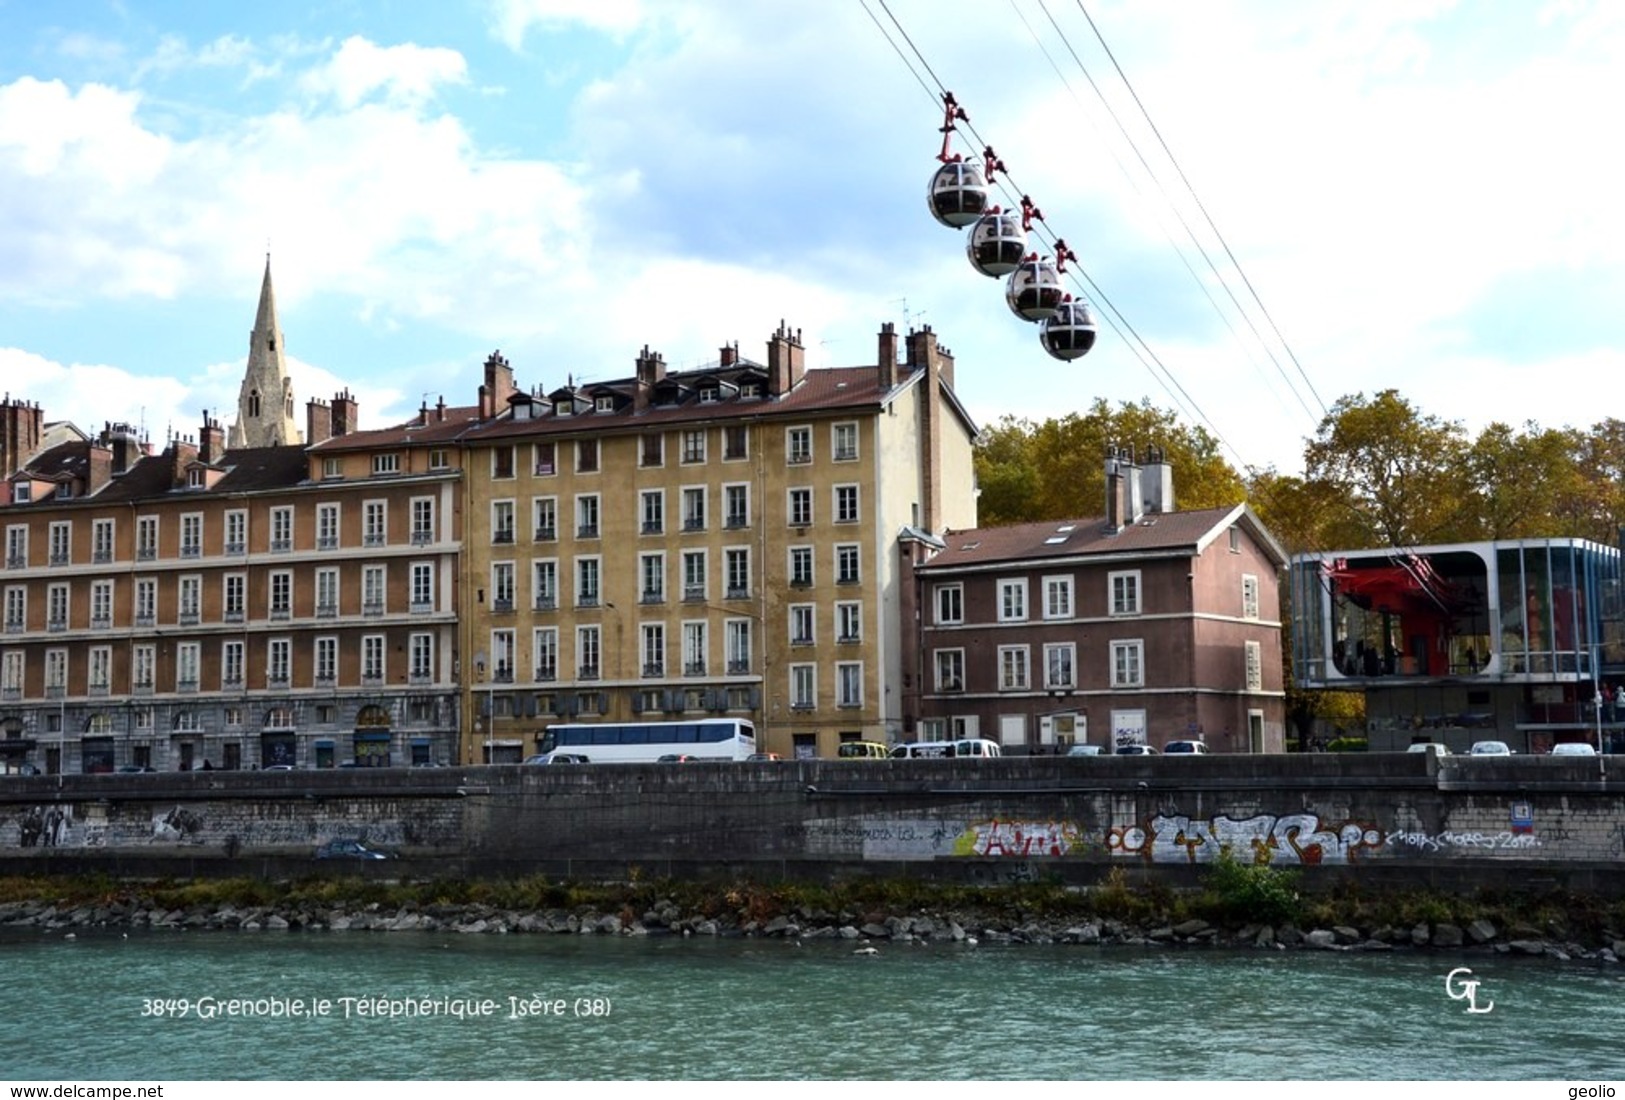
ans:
(1255, 666)
(12, 667)
(798, 445)
(849, 683)
(439, 459)
(146, 539)
(192, 536)
(846, 503)
(652, 578)
(803, 687)
(231, 665)
(801, 566)
(281, 530)
(146, 601)
(281, 594)
(801, 507)
(504, 656)
(1060, 665)
(1058, 597)
(501, 522)
(652, 511)
(735, 443)
(694, 570)
(587, 572)
(1013, 668)
(234, 598)
(61, 542)
(502, 462)
(949, 665)
(950, 604)
(1249, 596)
(1128, 663)
(374, 522)
(326, 661)
(332, 467)
(502, 586)
(694, 508)
(695, 648)
(545, 518)
(544, 644)
(849, 622)
(545, 459)
(56, 607)
(1013, 600)
(101, 541)
(693, 446)
(372, 660)
(544, 574)
(278, 662)
(847, 558)
(802, 618)
(237, 532)
(422, 521)
(587, 516)
(736, 506)
(101, 604)
(143, 660)
(327, 526)
(844, 442)
(101, 669)
(190, 591)
(586, 456)
(327, 593)
(587, 652)
(736, 573)
(385, 464)
(653, 649)
(652, 449)
(373, 590)
(1123, 592)
(422, 587)
(420, 658)
(736, 645)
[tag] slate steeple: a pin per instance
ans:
(265, 401)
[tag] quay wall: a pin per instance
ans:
(1383, 818)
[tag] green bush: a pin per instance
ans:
(1252, 892)
(1348, 744)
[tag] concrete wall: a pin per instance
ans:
(1507, 820)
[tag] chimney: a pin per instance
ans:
(730, 354)
(1131, 485)
(440, 410)
(318, 422)
(125, 446)
(346, 413)
(22, 430)
(1158, 480)
(100, 457)
(182, 453)
(887, 356)
(212, 446)
(498, 385)
(923, 356)
(651, 370)
(1122, 487)
(786, 361)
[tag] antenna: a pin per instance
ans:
(908, 318)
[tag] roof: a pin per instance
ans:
(429, 427)
(63, 462)
(1155, 534)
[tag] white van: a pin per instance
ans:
(977, 746)
(963, 748)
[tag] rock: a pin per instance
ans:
(847, 932)
(1322, 938)
(1289, 936)
(1528, 947)
(609, 926)
(276, 923)
(776, 926)
(956, 932)
(1419, 934)
(1376, 945)
(707, 928)
(1265, 937)
(1190, 928)
(874, 931)
(822, 932)
(1447, 935)
(1481, 930)
(1347, 934)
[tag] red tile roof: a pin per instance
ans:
(1051, 539)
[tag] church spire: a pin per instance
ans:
(265, 400)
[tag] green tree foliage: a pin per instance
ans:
(1055, 470)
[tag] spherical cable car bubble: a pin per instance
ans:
(1071, 332)
(1034, 290)
(958, 194)
(997, 243)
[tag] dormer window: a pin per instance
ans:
(604, 403)
(22, 492)
(750, 389)
(386, 464)
(194, 478)
(710, 395)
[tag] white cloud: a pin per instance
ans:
(406, 74)
(514, 19)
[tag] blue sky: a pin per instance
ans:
(1424, 195)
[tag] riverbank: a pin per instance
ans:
(1236, 906)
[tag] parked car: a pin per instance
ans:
(760, 756)
(278, 768)
(1491, 748)
(557, 758)
(135, 769)
(1083, 750)
(1178, 747)
(1430, 746)
(1136, 750)
(349, 849)
(1573, 748)
(677, 758)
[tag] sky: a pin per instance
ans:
(1273, 204)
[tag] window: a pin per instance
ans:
(736, 573)
(654, 649)
(278, 662)
(61, 543)
(1012, 600)
(694, 509)
(501, 521)
(651, 578)
(101, 605)
(146, 602)
(652, 508)
(545, 584)
(586, 456)
(694, 649)
(142, 663)
(1013, 668)
(502, 462)
(798, 445)
(385, 464)
(604, 403)
(372, 660)
(503, 656)
(192, 536)
(735, 443)
(146, 539)
(1235, 540)
(101, 541)
(327, 593)
(422, 521)
(587, 582)
(801, 507)
(736, 506)
(281, 530)
(439, 459)
(1058, 665)
(844, 442)
(545, 517)
(849, 684)
(1255, 666)
(327, 526)
(801, 624)
(332, 467)
(694, 586)
(1249, 596)
(281, 588)
(190, 611)
(736, 641)
(693, 446)
(846, 564)
(587, 652)
(422, 587)
(587, 516)
(56, 607)
(56, 673)
(231, 665)
(950, 604)
(545, 649)
(502, 586)
(846, 504)
(1123, 592)
(801, 566)
(327, 662)
(374, 523)
(950, 667)
(11, 674)
(17, 546)
(1128, 664)
(803, 687)
(652, 450)
(420, 658)
(1057, 597)
(849, 622)
(101, 670)
(237, 532)
(372, 590)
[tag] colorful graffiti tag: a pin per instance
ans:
(1265, 838)
(1021, 839)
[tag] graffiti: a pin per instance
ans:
(883, 838)
(179, 824)
(1265, 838)
(1435, 842)
(44, 826)
(1018, 838)
(1616, 840)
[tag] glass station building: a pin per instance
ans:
(1521, 641)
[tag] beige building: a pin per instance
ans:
(719, 541)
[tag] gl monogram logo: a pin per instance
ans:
(1460, 985)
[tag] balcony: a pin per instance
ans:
(144, 618)
(16, 561)
(373, 608)
(737, 592)
(693, 592)
(422, 538)
(281, 614)
(503, 535)
(101, 622)
(848, 639)
(59, 557)
(801, 639)
(10, 694)
(422, 607)
(56, 626)
(654, 668)
(547, 533)
(236, 549)
(419, 679)
(373, 539)
(231, 682)
(801, 704)
(327, 542)
(99, 691)
(375, 680)
(14, 626)
(547, 603)
(587, 531)
(587, 599)
(587, 672)
(281, 546)
(953, 683)
(187, 686)
(653, 527)
(800, 458)
(846, 454)
(188, 618)
(55, 691)
(694, 523)
(146, 553)
(734, 523)
(653, 595)
(693, 668)
(101, 557)
(546, 674)
(502, 675)
(142, 687)
(323, 611)
(739, 666)
(325, 680)
(502, 605)
(192, 550)
(800, 582)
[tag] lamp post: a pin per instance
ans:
(479, 679)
